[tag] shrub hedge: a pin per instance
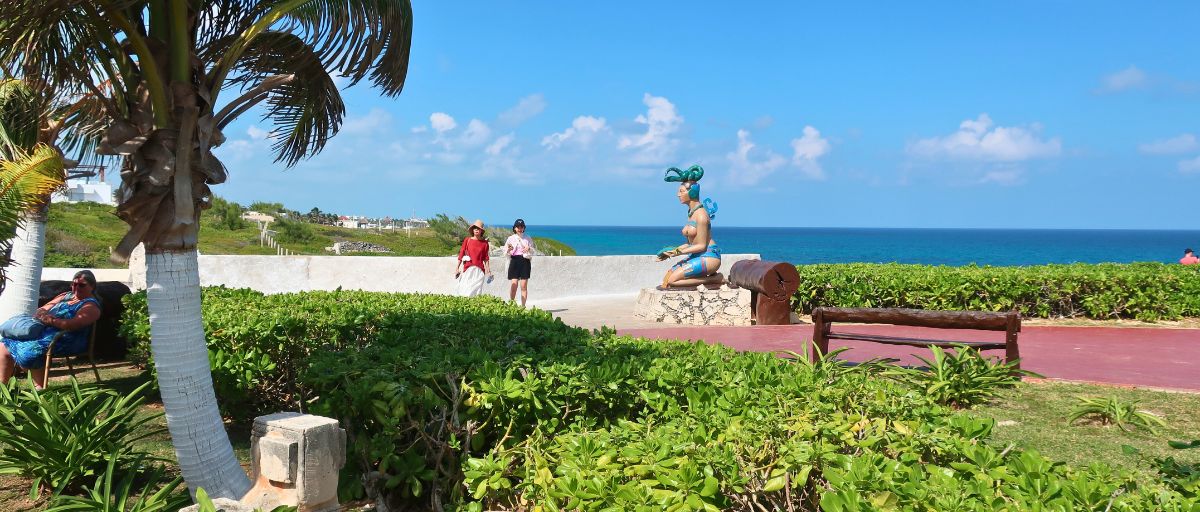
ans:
(473, 404)
(1145, 291)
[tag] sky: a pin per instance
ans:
(1019, 114)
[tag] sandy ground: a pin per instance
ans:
(594, 311)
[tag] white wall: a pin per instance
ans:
(552, 276)
(102, 274)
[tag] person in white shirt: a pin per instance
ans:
(519, 248)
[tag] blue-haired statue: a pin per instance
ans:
(703, 256)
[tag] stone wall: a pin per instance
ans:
(724, 306)
(552, 276)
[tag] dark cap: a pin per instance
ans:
(519, 223)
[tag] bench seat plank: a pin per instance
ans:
(1010, 323)
(915, 342)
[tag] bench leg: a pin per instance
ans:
(820, 341)
(1012, 351)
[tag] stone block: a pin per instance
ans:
(295, 461)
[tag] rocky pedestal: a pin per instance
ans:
(723, 306)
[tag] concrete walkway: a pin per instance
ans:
(1145, 357)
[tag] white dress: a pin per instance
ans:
(470, 282)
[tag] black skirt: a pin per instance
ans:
(518, 267)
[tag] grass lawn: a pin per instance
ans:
(1034, 416)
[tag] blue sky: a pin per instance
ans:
(929, 114)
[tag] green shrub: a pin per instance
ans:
(65, 436)
(293, 231)
(473, 404)
(1145, 291)
(119, 490)
(1114, 411)
(225, 214)
(960, 378)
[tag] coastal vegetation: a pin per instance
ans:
(82, 235)
(474, 404)
(1107, 291)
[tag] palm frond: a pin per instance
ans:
(219, 21)
(358, 38)
(21, 108)
(66, 47)
(24, 183)
(54, 42)
(306, 109)
(83, 124)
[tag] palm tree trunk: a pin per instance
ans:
(25, 272)
(205, 456)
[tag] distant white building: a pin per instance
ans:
(80, 191)
(352, 222)
(415, 223)
(254, 216)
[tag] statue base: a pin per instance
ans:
(698, 306)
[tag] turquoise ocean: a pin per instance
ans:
(998, 247)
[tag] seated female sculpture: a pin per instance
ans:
(26, 338)
(704, 257)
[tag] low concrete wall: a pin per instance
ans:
(552, 276)
(102, 274)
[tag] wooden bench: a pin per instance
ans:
(823, 319)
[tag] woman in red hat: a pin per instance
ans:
(474, 267)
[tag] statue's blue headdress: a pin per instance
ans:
(692, 175)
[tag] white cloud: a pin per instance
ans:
(1181, 144)
(657, 145)
(477, 133)
(497, 146)
(582, 131)
(1190, 166)
(525, 109)
(257, 133)
(1125, 79)
(807, 150)
(256, 141)
(420, 129)
(748, 166)
(374, 120)
(978, 139)
(441, 122)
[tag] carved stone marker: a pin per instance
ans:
(296, 458)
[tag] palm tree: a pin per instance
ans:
(26, 179)
(31, 115)
(171, 65)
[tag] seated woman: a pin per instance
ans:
(704, 257)
(26, 338)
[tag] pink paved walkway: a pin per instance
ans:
(1161, 358)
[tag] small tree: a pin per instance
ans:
(171, 68)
